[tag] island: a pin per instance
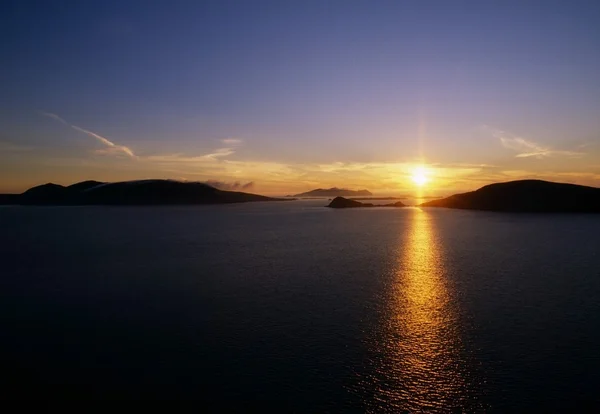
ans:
(334, 192)
(341, 202)
(141, 192)
(533, 196)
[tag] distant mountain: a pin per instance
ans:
(534, 196)
(334, 192)
(341, 202)
(144, 192)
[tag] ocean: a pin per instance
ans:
(294, 307)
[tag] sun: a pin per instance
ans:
(419, 176)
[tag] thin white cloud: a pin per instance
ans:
(527, 148)
(231, 141)
(186, 159)
(219, 153)
(56, 117)
(230, 186)
(112, 148)
(116, 149)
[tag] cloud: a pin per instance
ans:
(112, 148)
(232, 186)
(218, 153)
(231, 141)
(527, 148)
(186, 159)
(56, 117)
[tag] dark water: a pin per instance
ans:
(294, 307)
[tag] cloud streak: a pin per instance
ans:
(231, 141)
(186, 159)
(230, 186)
(529, 149)
(112, 148)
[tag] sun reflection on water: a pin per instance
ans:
(419, 366)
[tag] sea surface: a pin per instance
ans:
(294, 307)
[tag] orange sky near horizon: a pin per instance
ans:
(275, 178)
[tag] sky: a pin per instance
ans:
(277, 97)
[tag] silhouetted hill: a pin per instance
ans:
(396, 204)
(526, 196)
(49, 190)
(144, 192)
(334, 192)
(341, 202)
(84, 185)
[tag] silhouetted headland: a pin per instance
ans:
(533, 196)
(6, 199)
(341, 202)
(143, 192)
(334, 192)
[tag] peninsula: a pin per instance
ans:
(534, 196)
(143, 192)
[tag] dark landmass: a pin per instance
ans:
(534, 196)
(396, 204)
(144, 192)
(334, 192)
(341, 202)
(404, 197)
(7, 199)
(376, 198)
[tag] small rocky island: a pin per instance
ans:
(341, 202)
(531, 196)
(142, 192)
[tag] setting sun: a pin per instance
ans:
(419, 176)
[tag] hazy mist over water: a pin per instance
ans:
(294, 306)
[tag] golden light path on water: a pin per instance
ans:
(419, 365)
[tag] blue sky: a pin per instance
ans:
(292, 95)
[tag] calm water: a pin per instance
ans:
(291, 306)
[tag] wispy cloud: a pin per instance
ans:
(112, 148)
(526, 148)
(56, 117)
(231, 141)
(218, 153)
(230, 186)
(186, 159)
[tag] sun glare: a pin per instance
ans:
(419, 176)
